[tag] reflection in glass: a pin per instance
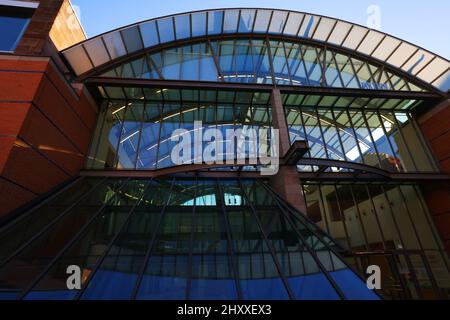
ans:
(175, 240)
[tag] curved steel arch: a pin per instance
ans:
(409, 60)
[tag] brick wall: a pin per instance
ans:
(45, 129)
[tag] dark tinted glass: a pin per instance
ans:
(12, 26)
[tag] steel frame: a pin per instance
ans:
(177, 43)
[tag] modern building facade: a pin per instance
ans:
(88, 178)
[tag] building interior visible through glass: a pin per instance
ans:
(353, 95)
(171, 239)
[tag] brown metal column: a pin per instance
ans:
(287, 182)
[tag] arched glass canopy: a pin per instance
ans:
(259, 61)
(129, 42)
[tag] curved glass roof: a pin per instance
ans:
(128, 41)
(262, 61)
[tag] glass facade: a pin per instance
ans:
(170, 240)
(138, 134)
(12, 27)
(392, 220)
(263, 62)
(136, 127)
(384, 138)
(351, 93)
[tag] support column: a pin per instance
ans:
(287, 182)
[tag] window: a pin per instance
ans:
(12, 26)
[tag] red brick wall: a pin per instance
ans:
(36, 35)
(436, 129)
(45, 129)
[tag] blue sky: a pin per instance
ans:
(425, 23)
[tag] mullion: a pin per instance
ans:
(400, 130)
(51, 224)
(359, 217)
(339, 134)
(231, 251)
(304, 126)
(375, 212)
(216, 61)
(266, 47)
(333, 54)
(73, 241)
(310, 250)
(268, 244)
(321, 130)
(371, 137)
(116, 158)
(424, 144)
(44, 202)
(97, 266)
(430, 225)
(142, 120)
(391, 147)
(355, 135)
(152, 243)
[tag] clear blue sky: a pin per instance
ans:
(425, 23)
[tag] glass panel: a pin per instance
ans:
(402, 54)
(256, 268)
(149, 34)
(115, 45)
(278, 21)
(78, 59)
(130, 137)
(332, 74)
(212, 275)
(97, 51)
(23, 229)
(165, 27)
(132, 39)
(308, 26)
(183, 26)
(262, 21)
(215, 21)
(434, 69)
(370, 42)
(198, 24)
(323, 29)
(165, 277)
(231, 20)
(87, 251)
(387, 46)
(293, 23)
(443, 82)
(340, 32)
(417, 62)
(117, 275)
(354, 38)
(246, 60)
(25, 267)
(279, 63)
(247, 20)
(12, 27)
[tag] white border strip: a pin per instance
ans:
(21, 4)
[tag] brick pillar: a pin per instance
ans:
(37, 33)
(287, 182)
